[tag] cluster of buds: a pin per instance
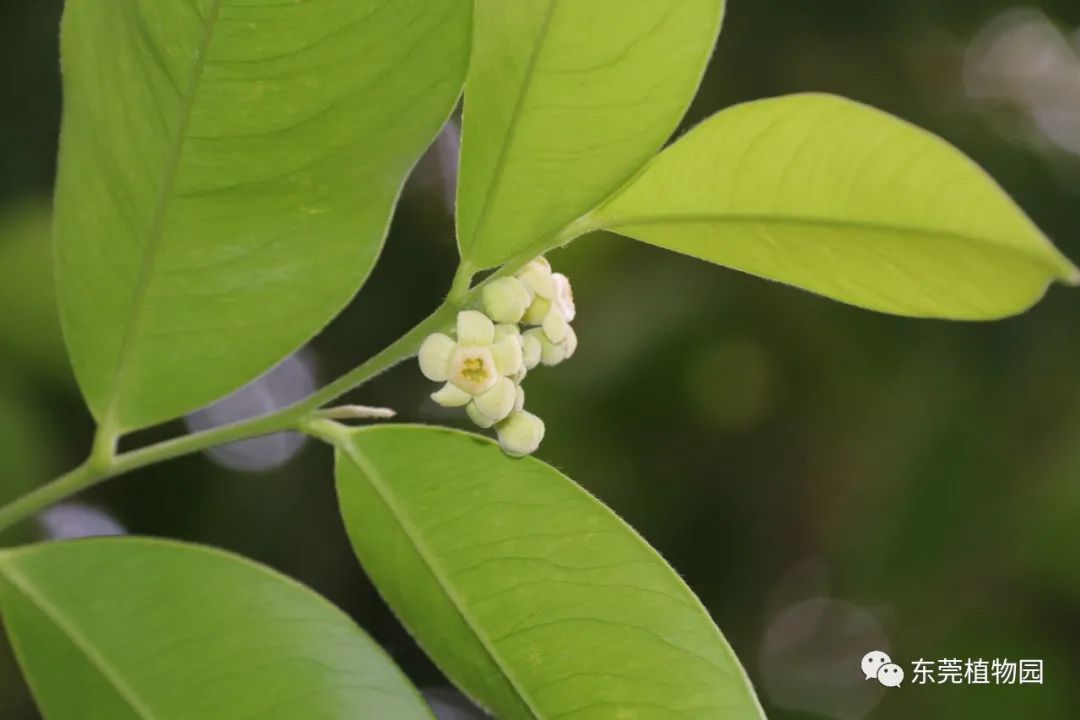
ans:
(525, 322)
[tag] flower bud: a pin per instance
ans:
(520, 434)
(506, 300)
(519, 399)
(434, 357)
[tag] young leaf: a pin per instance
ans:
(843, 200)
(227, 172)
(564, 102)
(143, 629)
(531, 595)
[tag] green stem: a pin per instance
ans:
(60, 488)
(459, 289)
(105, 463)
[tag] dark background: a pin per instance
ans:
(829, 480)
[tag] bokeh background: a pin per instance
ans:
(829, 480)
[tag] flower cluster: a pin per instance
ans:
(525, 322)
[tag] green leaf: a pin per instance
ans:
(141, 629)
(227, 172)
(531, 595)
(843, 200)
(564, 102)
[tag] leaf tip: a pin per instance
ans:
(1070, 275)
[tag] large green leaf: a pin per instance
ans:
(564, 102)
(141, 629)
(843, 200)
(227, 171)
(531, 595)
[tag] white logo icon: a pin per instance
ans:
(876, 664)
(874, 661)
(890, 675)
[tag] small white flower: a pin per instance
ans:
(506, 300)
(485, 361)
(477, 368)
(552, 307)
(475, 361)
(520, 434)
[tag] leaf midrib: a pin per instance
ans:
(425, 554)
(616, 223)
(157, 225)
(25, 587)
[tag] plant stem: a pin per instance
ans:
(105, 463)
(102, 466)
(459, 289)
(60, 488)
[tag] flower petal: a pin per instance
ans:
(537, 277)
(531, 347)
(555, 326)
(508, 355)
(564, 296)
(478, 418)
(537, 311)
(451, 396)
(550, 353)
(505, 330)
(570, 343)
(498, 402)
(434, 357)
(474, 328)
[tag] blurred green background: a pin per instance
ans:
(829, 480)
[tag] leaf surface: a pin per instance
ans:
(843, 200)
(565, 100)
(529, 593)
(227, 172)
(139, 629)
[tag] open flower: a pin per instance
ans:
(552, 309)
(476, 367)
